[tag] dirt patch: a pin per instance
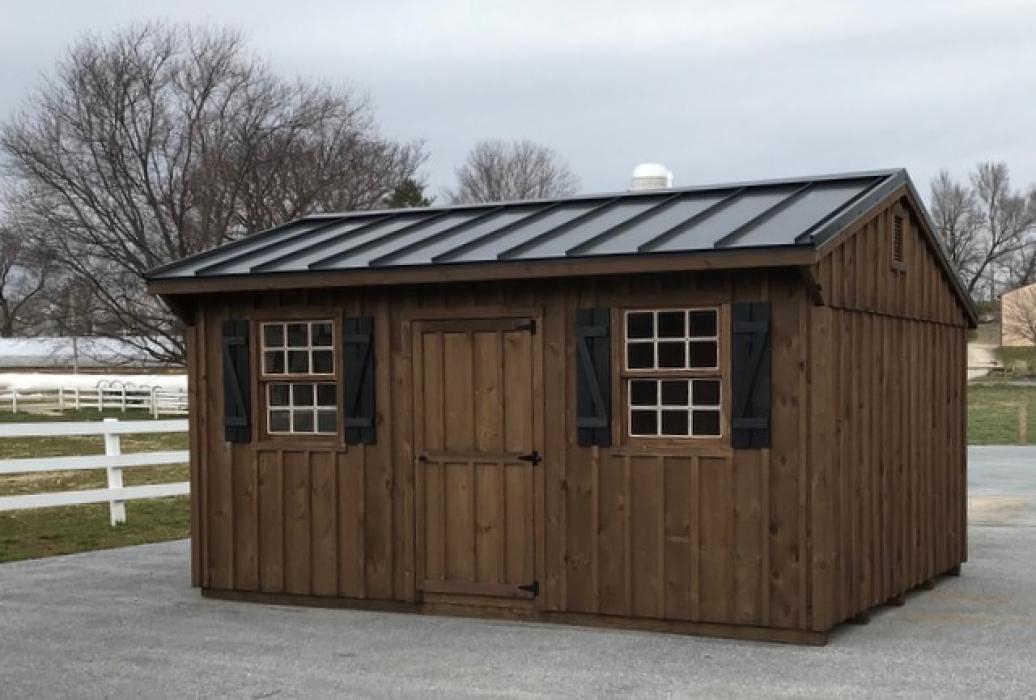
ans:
(997, 510)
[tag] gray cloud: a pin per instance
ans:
(717, 91)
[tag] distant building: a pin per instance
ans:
(1018, 317)
(75, 354)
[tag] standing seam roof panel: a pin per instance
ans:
(362, 258)
(678, 212)
(556, 246)
(298, 258)
(423, 254)
(492, 247)
(819, 202)
(741, 210)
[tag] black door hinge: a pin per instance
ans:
(533, 588)
(533, 457)
(529, 325)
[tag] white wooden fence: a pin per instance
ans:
(153, 399)
(112, 461)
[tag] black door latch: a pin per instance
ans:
(533, 457)
(533, 588)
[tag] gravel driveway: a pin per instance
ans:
(125, 623)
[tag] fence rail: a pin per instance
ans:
(113, 461)
(155, 400)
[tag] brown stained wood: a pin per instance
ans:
(297, 538)
(785, 458)
(676, 537)
(716, 575)
(647, 536)
(821, 459)
(554, 448)
(351, 531)
(749, 537)
(324, 532)
(245, 511)
(611, 540)
(194, 397)
(655, 532)
(271, 521)
(220, 473)
(475, 393)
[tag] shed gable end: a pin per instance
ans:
(887, 263)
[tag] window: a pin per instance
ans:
(673, 387)
(302, 407)
(302, 351)
(298, 348)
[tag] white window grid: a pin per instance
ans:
(285, 347)
(691, 408)
(315, 408)
(686, 339)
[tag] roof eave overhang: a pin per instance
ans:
(744, 258)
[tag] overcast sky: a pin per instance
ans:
(715, 90)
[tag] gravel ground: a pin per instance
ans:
(125, 623)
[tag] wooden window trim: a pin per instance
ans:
(260, 381)
(644, 444)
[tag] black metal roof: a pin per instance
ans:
(796, 212)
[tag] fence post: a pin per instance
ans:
(100, 400)
(113, 448)
(14, 400)
(61, 398)
(154, 402)
(77, 398)
(123, 398)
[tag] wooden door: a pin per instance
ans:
(477, 472)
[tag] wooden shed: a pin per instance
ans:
(732, 410)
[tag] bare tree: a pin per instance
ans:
(23, 275)
(163, 140)
(985, 225)
(497, 171)
(956, 221)
(1018, 315)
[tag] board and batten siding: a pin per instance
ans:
(696, 534)
(889, 349)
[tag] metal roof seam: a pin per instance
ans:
(270, 242)
(327, 261)
(762, 216)
(826, 226)
(435, 237)
(299, 252)
(618, 228)
(447, 255)
(652, 243)
(557, 230)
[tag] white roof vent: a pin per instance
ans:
(651, 176)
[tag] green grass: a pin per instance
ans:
(993, 413)
(45, 532)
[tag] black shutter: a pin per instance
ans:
(358, 348)
(237, 382)
(593, 381)
(750, 375)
